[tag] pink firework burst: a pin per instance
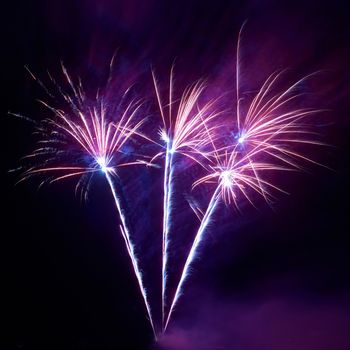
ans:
(86, 138)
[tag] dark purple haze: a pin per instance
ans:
(268, 279)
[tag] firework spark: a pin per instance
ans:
(184, 132)
(83, 141)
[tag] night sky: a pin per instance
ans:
(273, 278)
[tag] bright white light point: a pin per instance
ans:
(241, 139)
(101, 161)
(172, 151)
(226, 179)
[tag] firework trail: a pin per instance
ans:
(264, 141)
(184, 132)
(85, 136)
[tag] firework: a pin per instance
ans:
(83, 141)
(263, 142)
(184, 132)
(90, 136)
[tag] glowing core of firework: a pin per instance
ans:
(241, 139)
(226, 178)
(102, 162)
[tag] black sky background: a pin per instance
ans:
(270, 279)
